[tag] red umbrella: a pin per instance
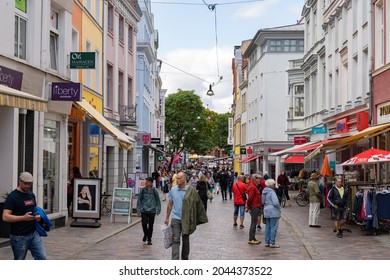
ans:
(368, 156)
(325, 170)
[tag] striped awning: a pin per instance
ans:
(124, 141)
(18, 99)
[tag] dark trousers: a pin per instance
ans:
(254, 212)
(147, 224)
(223, 190)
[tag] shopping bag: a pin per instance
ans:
(167, 235)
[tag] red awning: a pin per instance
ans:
(311, 147)
(248, 159)
(295, 159)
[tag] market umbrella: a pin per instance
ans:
(369, 156)
(325, 170)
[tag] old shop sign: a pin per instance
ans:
(342, 126)
(66, 91)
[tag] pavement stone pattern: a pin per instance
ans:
(216, 240)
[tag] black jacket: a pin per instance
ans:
(335, 199)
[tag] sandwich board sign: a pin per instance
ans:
(121, 203)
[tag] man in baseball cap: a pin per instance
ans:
(18, 211)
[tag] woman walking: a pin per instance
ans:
(201, 187)
(271, 213)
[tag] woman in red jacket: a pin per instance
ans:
(238, 189)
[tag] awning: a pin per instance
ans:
(18, 99)
(248, 159)
(157, 150)
(287, 151)
(309, 148)
(123, 140)
(367, 133)
(295, 159)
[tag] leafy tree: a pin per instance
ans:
(221, 132)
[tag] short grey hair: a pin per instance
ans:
(270, 183)
(256, 176)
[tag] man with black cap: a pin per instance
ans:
(149, 205)
(313, 189)
(18, 211)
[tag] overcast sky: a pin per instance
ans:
(196, 44)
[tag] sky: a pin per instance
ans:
(196, 44)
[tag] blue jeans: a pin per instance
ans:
(271, 229)
(20, 244)
(240, 207)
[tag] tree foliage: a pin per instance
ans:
(191, 127)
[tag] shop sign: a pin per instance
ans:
(342, 126)
(82, 60)
(299, 140)
(319, 130)
(66, 91)
(242, 151)
(155, 140)
(383, 113)
(249, 150)
(76, 114)
(272, 150)
(143, 139)
(161, 147)
(11, 78)
(361, 120)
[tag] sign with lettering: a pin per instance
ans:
(299, 140)
(361, 120)
(249, 150)
(11, 78)
(155, 140)
(82, 60)
(383, 113)
(342, 126)
(319, 130)
(66, 91)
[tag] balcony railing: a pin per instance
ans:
(128, 115)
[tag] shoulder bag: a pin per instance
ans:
(243, 195)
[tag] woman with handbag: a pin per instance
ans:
(239, 188)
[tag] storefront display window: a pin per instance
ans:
(51, 154)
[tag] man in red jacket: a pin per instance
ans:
(239, 188)
(253, 205)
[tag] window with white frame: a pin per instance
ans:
(130, 38)
(20, 49)
(53, 40)
(299, 99)
(110, 85)
(88, 73)
(110, 15)
(379, 34)
(120, 89)
(286, 45)
(121, 29)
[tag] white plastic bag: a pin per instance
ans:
(167, 235)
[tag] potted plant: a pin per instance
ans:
(4, 227)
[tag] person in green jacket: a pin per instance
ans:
(313, 189)
(148, 205)
(186, 211)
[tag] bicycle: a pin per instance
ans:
(282, 197)
(302, 198)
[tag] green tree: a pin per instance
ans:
(221, 131)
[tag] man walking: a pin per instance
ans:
(253, 205)
(338, 200)
(314, 199)
(149, 205)
(187, 212)
(18, 211)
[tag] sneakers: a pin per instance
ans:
(241, 226)
(340, 234)
(235, 225)
(274, 246)
(144, 239)
(267, 245)
(254, 242)
(258, 228)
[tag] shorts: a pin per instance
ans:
(339, 214)
(240, 207)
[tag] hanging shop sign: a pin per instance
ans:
(299, 140)
(155, 140)
(242, 151)
(66, 91)
(249, 150)
(144, 139)
(82, 60)
(319, 130)
(361, 120)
